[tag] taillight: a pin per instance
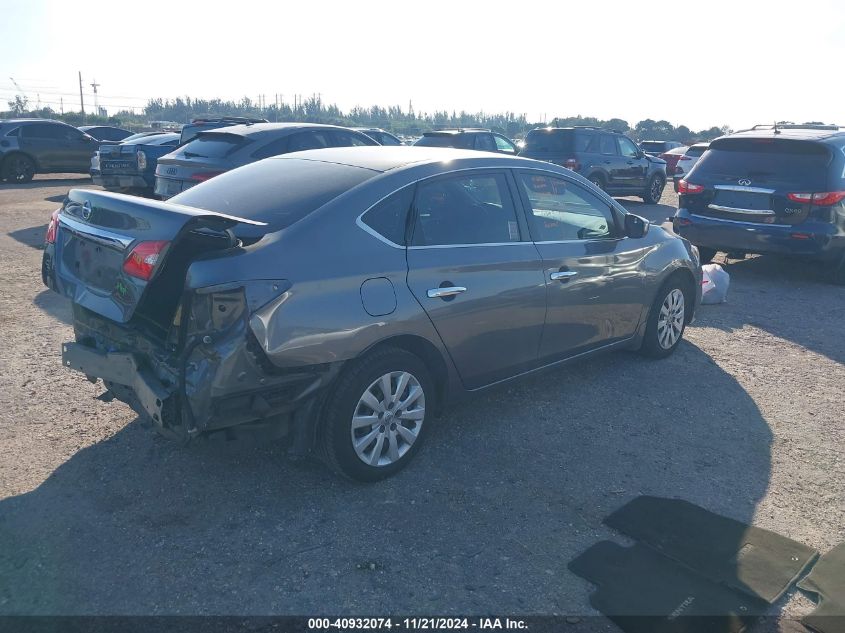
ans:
(205, 175)
(143, 259)
(142, 160)
(684, 158)
(571, 163)
(50, 238)
(822, 199)
(688, 187)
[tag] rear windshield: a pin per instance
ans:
(772, 161)
(213, 145)
(652, 146)
(443, 140)
(695, 151)
(278, 191)
(552, 141)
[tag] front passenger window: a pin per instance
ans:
(627, 148)
(464, 210)
(564, 211)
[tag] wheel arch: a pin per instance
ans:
(16, 152)
(687, 279)
(426, 351)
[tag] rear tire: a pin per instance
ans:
(654, 190)
(667, 318)
(375, 396)
(18, 169)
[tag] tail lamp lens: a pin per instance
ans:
(144, 258)
(688, 187)
(52, 227)
(822, 199)
(142, 160)
(205, 175)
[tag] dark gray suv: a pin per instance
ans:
(608, 159)
(343, 296)
(42, 146)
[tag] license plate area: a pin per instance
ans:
(114, 165)
(92, 263)
(744, 200)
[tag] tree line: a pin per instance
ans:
(395, 119)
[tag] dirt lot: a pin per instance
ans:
(99, 515)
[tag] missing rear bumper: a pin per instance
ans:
(120, 368)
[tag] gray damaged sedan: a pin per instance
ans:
(344, 296)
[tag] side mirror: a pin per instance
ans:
(635, 226)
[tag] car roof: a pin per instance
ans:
(385, 158)
(256, 130)
(455, 131)
(791, 133)
(4, 121)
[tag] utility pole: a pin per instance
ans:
(95, 85)
(62, 102)
(81, 100)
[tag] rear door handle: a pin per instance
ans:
(448, 291)
(562, 275)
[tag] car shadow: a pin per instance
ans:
(38, 183)
(54, 304)
(32, 236)
(510, 487)
(775, 290)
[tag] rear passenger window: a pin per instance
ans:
(390, 216)
(464, 210)
(608, 145)
(565, 211)
(44, 130)
(345, 139)
(485, 143)
(273, 148)
(302, 141)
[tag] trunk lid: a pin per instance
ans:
(98, 231)
(750, 180)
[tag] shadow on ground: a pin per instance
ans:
(509, 488)
(55, 305)
(784, 297)
(38, 183)
(32, 236)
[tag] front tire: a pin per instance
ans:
(374, 420)
(597, 181)
(18, 168)
(654, 190)
(667, 318)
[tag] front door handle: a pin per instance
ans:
(562, 275)
(448, 291)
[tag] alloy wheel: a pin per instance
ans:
(656, 190)
(670, 322)
(388, 418)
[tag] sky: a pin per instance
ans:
(696, 63)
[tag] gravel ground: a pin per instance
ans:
(98, 515)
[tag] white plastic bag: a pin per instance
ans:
(714, 284)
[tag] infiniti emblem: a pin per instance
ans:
(86, 210)
(744, 182)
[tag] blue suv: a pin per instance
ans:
(771, 189)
